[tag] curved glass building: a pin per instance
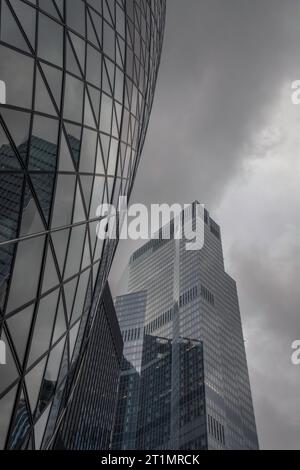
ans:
(77, 79)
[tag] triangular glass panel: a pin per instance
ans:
(75, 251)
(88, 151)
(79, 212)
(95, 100)
(33, 382)
(43, 326)
(31, 219)
(91, 32)
(72, 64)
(79, 46)
(10, 31)
(50, 274)
(48, 6)
(98, 22)
(97, 194)
(19, 329)
(23, 288)
(54, 80)
(113, 157)
(69, 290)
(43, 184)
(43, 101)
(105, 145)
(108, 12)
(110, 187)
(27, 17)
(106, 84)
(87, 186)
(60, 6)
(86, 260)
(80, 296)
(60, 323)
(60, 241)
(64, 196)
(99, 160)
(74, 137)
(89, 118)
(65, 160)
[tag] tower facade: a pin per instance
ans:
(79, 82)
(88, 422)
(191, 389)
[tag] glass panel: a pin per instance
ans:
(27, 16)
(75, 14)
(31, 219)
(43, 326)
(64, 195)
(94, 61)
(60, 241)
(88, 151)
(60, 323)
(54, 80)
(23, 287)
(19, 327)
(10, 31)
(73, 99)
(80, 296)
(43, 101)
(65, 160)
(49, 7)
(50, 273)
(97, 195)
(75, 251)
(87, 186)
(50, 50)
(33, 382)
(69, 289)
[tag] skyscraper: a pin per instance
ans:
(184, 381)
(80, 79)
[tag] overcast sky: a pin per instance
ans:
(224, 131)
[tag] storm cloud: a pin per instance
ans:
(224, 131)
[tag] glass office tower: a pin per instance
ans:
(80, 79)
(184, 380)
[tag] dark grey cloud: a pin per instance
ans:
(225, 71)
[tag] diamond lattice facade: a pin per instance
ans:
(79, 83)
